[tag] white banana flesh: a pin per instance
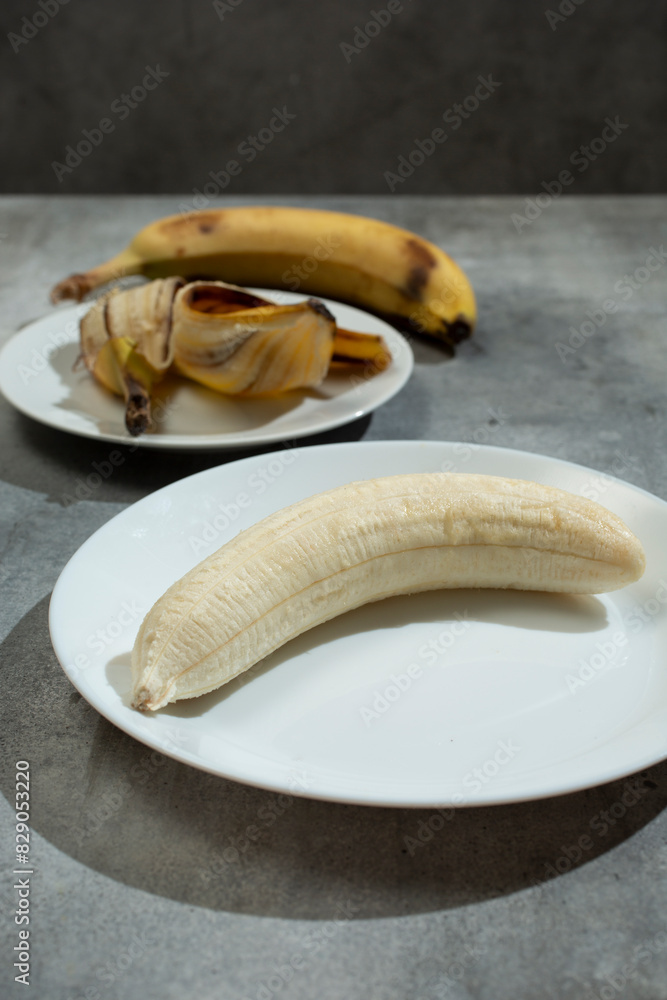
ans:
(363, 542)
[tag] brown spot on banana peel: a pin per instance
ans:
(106, 318)
(180, 225)
(321, 309)
(449, 334)
(170, 318)
(421, 262)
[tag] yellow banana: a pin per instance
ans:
(358, 543)
(387, 270)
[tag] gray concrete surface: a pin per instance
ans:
(360, 97)
(131, 896)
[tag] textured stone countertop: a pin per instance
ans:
(122, 841)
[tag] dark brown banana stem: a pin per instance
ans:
(138, 407)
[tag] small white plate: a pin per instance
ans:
(37, 377)
(445, 698)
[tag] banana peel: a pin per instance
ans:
(217, 334)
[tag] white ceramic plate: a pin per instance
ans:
(37, 377)
(445, 698)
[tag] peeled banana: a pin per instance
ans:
(362, 542)
(381, 268)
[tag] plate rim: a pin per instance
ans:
(562, 788)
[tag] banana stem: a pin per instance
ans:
(76, 286)
(137, 379)
(137, 407)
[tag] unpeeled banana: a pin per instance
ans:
(381, 268)
(362, 542)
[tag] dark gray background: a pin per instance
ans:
(354, 116)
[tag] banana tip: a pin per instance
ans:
(142, 701)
